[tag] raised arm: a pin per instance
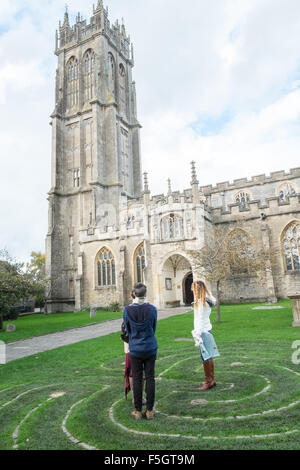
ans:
(212, 299)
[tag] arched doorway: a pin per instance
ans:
(174, 272)
(188, 297)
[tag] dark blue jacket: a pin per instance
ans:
(140, 323)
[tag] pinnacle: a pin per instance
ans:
(194, 174)
(99, 5)
(66, 17)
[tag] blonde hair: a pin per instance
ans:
(200, 292)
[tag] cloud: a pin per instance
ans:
(217, 82)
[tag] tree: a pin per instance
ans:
(15, 284)
(36, 269)
(229, 253)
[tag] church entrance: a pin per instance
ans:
(175, 286)
(188, 296)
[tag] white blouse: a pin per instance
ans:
(202, 313)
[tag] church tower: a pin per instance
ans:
(95, 146)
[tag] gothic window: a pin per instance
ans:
(285, 191)
(76, 178)
(122, 92)
(139, 263)
(89, 75)
(291, 246)
(106, 268)
(125, 159)
(172, 227)
(112, 74)
(242, 199)
(72, 83)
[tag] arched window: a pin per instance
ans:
(139, 263)
(242, 198)
(122, 92)
(112, 74)
(172, 227)
(285, 191)
(89, 75)
(72, 83)
(106, 268)
(291, 246)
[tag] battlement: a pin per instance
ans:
(176, 197)
(67, 36)
(254, 180)
(255, 209)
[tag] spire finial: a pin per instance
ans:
(66, 17)
(146, 185)
(169, 187)
(99, 5)
(194, 174)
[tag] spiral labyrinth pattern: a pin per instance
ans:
(256, 402)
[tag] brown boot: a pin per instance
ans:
(208, 384)
(214, 384)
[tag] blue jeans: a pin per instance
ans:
(209, 359)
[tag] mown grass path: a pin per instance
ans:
(30, 326)
(73, 397)
(28, 347)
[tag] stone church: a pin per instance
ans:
(106, 231)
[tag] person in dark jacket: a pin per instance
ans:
(140, 320)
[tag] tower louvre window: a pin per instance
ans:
(106, 268)
(122, 89)
(112, 74)
(89, 75)
(72, 83)
(125, 159)
(76, 178)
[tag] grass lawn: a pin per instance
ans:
(29, 326)
(74, 396)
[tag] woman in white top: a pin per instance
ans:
(202, 333)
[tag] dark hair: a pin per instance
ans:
(133, 294)
(140, 290)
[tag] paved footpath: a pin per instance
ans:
(32, 346)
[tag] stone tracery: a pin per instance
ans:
(291, 246)
(106, 269)
(72, 82)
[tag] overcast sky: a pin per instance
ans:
(218, 82)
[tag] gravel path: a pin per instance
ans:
(32, 346)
